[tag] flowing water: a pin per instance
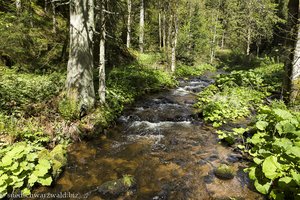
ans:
(170, 152)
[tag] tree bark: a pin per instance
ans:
(129, 23)
(295, 76)
(79, 82)
(102, 87)
(142, 26)
(290, 85)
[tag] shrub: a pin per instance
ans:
(276, 153)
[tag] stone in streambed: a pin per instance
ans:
(224, 172)
(117, 187)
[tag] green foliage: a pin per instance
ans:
(187, 71)
(124, 84)
(18, 91)
(27, 39)
(68, 108)
(22, 129)
(23, 166)
(276, 153)
(229, 104)
(234, 136)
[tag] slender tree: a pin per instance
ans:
(142, 26)
(129, 7)
(102, 88)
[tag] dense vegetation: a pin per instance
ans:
(61, 80)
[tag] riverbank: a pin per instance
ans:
(36, 117)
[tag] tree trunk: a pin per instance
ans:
(174, 43)
(223, 40)
(102, 86)
(18, 6)
(290, 86)
(129, 24)
(46, 5)
(164, 30)
(79, 82)
(295, 77)
(142, 26)
(248, 41)
(53, 16)
(160, 30)
(213, 42)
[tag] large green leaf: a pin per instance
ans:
(270, 166)
(296, 177)
(45, 181)
(283, 114)
(261, 125)
(262, 188)
(294, 150)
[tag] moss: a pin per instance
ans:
(224, 172)
(59, 160)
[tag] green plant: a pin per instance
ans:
(68, 108)
(229, 104)
(186, 71)
(234, 136)
(276, 153)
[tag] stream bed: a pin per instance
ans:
(163, 144)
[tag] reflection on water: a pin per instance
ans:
(159, 142)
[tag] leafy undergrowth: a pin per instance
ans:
(24, 166)
(188, 71)
(272, 137)
(20, 92)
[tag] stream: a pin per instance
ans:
(165, 146)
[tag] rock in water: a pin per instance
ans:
(117, 187)
(224, 172)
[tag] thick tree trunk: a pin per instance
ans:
(80, 65)
(102, 87)
(142, 26)
(129, 24)
(295, 77)
(290, 85)
(53, 16)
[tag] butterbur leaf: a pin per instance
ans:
(269, 167)
(283, 114)
(284, 182)
(26, 192)
(257, 160)
(294, 150)
(262, 188)
(296, 177)
(261, 125)
(46, 181)
(45, 163)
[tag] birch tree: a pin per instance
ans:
(79, 72)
